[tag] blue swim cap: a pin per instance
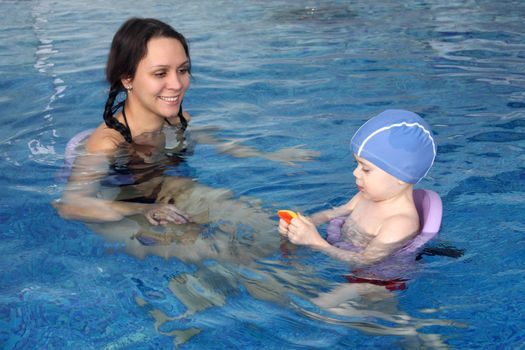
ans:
(399, 142)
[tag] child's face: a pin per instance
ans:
(374, 183)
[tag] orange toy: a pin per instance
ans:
(287, 215)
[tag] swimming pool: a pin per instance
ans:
(276, 74)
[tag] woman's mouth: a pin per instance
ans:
(169, 99)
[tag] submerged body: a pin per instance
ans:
(130, 183)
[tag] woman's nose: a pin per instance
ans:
(175, 82)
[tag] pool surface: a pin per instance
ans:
(274, 74)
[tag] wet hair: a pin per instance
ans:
(128, 47)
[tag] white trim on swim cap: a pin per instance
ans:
(399, 125)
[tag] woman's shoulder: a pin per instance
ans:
(104, 139)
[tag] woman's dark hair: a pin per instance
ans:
(128, 47)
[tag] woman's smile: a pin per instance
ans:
(170, 99)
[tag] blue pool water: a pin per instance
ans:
(276, 74)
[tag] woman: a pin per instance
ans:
(148, 70)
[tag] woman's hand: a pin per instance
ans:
(302, 231)
(292, 155)
(161, 214)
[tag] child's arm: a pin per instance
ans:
(393, 234)
(344, 210)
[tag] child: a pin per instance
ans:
(394, 150)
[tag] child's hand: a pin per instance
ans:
(283, 227)
(303, 231)
(285, 218)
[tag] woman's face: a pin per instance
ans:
(161, 80)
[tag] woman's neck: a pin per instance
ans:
(139, 120)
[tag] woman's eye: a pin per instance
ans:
(183, 70)
(365, 170)
(160, 74)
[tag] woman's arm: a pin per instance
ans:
(81, 200)
(233, 147)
